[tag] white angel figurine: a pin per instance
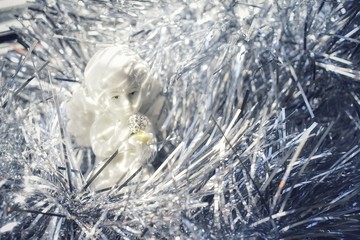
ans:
(104, 114)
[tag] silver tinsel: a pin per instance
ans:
(258, 135)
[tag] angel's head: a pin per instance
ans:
(117, 79)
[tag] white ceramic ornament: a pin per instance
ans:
(104, 114)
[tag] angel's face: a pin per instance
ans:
(117, 79)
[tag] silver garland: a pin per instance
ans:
(258, 135)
